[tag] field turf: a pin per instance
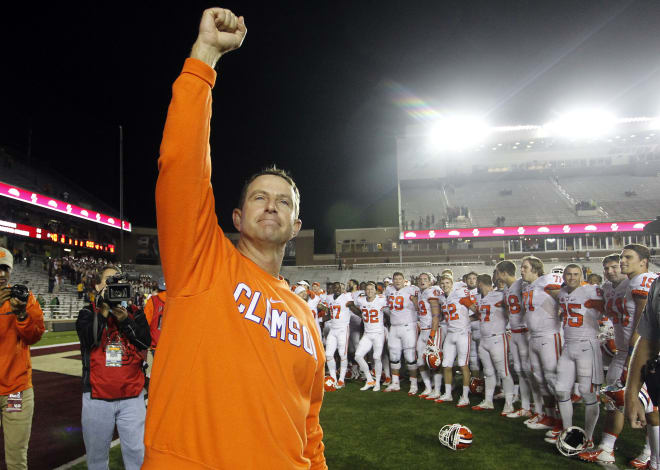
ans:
(392, 431)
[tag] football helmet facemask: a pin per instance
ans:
(455, 436)
(571, 441)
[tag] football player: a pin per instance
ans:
(475, 364)
(337, 341)
(429, 315)
(372, 306)
(625, 309)
(315, 305)
(519, 341)
(355, 327)
(544, 324)
(494, 345)
(455, 305)
(403, 330)
(581, 307)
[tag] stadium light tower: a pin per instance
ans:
(457, 133)
(580, 124)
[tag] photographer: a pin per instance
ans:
(21, 324)
(113, 343)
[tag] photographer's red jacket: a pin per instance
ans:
(15, 340)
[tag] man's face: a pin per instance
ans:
(446, 285)
(398, 282)
(424, 281)
(501, 283)
(363, 285)
(351, 286)
(471, 281)
(483, 288)
(303, 295)
(104, 278)
(342, 287)
(269, 211)
(316, 288)
(336, 288)
(572, 277)
(526, 272)
(5, 274)
(370, 291)
(631, 264)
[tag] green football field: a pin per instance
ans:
(392, 431)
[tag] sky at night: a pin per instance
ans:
(314, 87)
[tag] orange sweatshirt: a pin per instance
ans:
(15, 340)
(149, 305)
(238, 379)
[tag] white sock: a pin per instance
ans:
(332, 368)
(395, 379)
(364, 367)
(378, 369)
(447, 389)
(489, 385)
(466, 390)
(607, 442)
(566, 411)
(653, 434)
(426, 377)
(342, 369)
(437, 381)
(591, 413)
(524, 393)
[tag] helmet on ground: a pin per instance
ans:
(612, 396)
(455, 436)
(571, 441)
(608, 347)
(433, 357)
(477, 386)
(329, 384)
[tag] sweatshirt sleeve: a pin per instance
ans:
(32, 328)
(314, 448)
(191, 242)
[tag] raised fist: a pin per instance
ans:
(220, 31)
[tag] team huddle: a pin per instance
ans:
(545, 340)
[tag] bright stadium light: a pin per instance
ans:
(457, 133)
(582, 124)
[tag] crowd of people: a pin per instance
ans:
(547, 341)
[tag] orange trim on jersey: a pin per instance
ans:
(597, 304)
(550, 287)
(640, 293)
(467, 301)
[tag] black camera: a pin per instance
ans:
(19, 292)
(118, 288)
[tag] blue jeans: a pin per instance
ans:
(98, 424)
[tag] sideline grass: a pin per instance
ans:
(57, 337)
(392, 431)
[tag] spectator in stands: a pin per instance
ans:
(113, 343)
(154, 309)
(21, 325)
(80, 288)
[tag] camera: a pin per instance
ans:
(19, 292)
(118, 288)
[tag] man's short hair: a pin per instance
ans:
(271, 170)
(641, 250)
(597, 277)
(470, 274)
(535, 263)
(506, 267)
(398, 274)
(369, 283)
(485, 279)
(572, 266)
(446, 276)
(613, 258)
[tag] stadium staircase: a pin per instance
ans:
(37, 281)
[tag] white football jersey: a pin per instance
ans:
(581, 310)
(340, 313)
(425, 314)
(541, 315)
(313, 303)
(624, 302)
(514, 300)
(456, 311)
(402, 305)
(615, 310)
(372, 313)
(492, 319)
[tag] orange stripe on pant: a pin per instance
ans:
(506, 354)
(467, 359)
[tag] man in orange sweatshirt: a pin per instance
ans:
(238, 379)
(21, 324)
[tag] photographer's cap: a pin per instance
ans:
(6, 258)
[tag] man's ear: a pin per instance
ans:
(297, 224)
(236, 219)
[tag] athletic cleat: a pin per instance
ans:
(551, 440)
(376, 387)
(484, 406)
(425, 393)
(554, 432)
(388, 380)
(641, 461)
(368, 385)
(434, 395)
(597, 455)
(506, 410)
(445, 399)
(392, 388)
(413, 389)
(589, 445)
(533, 418)
(340, 384)
(546, 422)
(463, 402)
(520, 413)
